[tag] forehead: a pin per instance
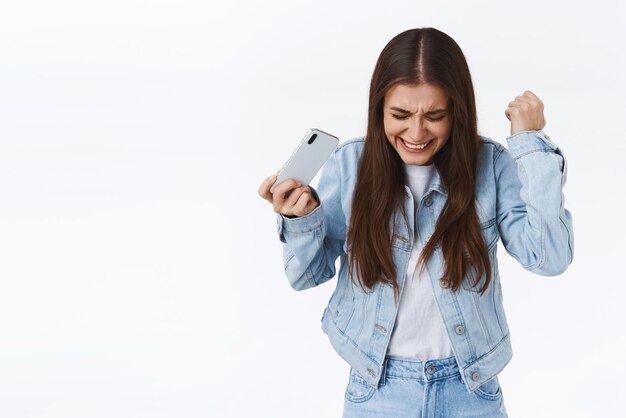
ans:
(415, 98)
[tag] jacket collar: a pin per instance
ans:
(436, 184)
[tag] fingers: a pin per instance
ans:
(296, 195)
(289, 197)
(521, 102)
(529, 94)
(264, 190)
(527, 98)
(525, 112)
(527, 102)
(280, 197)
(304, 202)
(300, 202)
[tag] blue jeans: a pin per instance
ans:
(430, 389)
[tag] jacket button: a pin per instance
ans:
(428, 201)
(475, 376)
(380, 328)
(431, 369)
(460, 329)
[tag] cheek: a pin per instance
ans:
(392, 127)
(442, 131)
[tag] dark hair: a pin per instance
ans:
(423, 55)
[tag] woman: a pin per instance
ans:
(415, 211)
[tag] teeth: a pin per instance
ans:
(415, 146)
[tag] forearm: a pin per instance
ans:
(308, 254)
(537, 231)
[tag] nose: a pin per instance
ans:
(417, 128)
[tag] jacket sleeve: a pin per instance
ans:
(534, 225)
(312, 243)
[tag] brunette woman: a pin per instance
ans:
(414, 210)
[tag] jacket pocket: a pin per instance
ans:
(288, 254)
(490, 390)
(341, 303)
(401, 242)
(358, 390)
(489, 231)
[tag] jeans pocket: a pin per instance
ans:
(358, 389)
(490, 390)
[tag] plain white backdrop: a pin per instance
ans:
(140, 272)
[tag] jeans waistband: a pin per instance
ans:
(434, 369)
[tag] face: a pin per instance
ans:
(417, 123)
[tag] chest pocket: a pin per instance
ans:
(488, 223)
(489, 231)
(401, 242)
(490, 235)
(399, 230)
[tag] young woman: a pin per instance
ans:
(414, 211)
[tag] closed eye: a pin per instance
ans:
(399, 117)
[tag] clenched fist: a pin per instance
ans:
(289, 198)
(525, 113)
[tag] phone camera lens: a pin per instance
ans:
(312, 138)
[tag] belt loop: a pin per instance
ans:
(383, 373)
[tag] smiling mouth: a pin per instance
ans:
(416, 146)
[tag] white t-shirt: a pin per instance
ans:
(419, 331)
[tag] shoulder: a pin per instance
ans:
(348, 153)
(490, 150)
(342, 166)
(490, 144)
(354, 145)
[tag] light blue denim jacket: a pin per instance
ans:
(520, 201)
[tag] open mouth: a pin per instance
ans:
(416, 147)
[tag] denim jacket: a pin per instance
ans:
(519, 200)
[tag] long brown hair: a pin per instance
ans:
(423, 55)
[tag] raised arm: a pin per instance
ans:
(534, 225)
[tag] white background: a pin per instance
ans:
(140, 272)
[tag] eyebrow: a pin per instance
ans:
(432, 112)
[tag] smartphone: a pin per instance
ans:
(308, 158)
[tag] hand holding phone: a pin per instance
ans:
(289, 192)
(308, 158)
(290, 198)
